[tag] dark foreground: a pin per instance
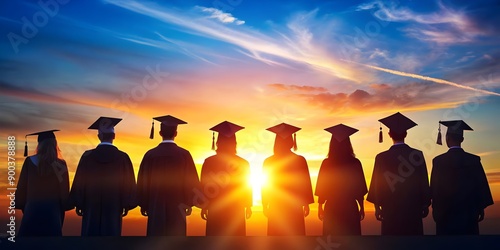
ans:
(258, 242)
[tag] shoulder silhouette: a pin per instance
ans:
(341, 186)
(400, 187)
(104, 187)
(459, 187)
(167, 183)
(288, 193)
(43, 189)
(224, 180)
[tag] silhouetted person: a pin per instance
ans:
(341, 184)
(459, 187)
(166, 183)
(104, 186)
(400, 185)
(43, 189)
(224, 180)
(288, 192)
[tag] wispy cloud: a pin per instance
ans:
(482, 154)
(298, 45)
(221, 15)
(493, 177)
(377, 97)
(295, 46)
(481, 72)
(303, 88)
(428, 78)
(404, 61)
(378, 53)
(445, 26)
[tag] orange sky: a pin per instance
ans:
(302, 63)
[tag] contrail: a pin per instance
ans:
(426, 78)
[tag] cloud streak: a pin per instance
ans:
(295, 47)
(378, 97)
(493, 177)
(220, 15)
(445, 26)
(303, 88)
(427, 78)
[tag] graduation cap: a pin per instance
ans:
(341, 132)
(105, 124)
(43, 135)
(166, 121)
(226, 129)
(397, 123)
(455, 127)
(284, 130)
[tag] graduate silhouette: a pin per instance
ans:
(288, 193)
(400, 185)
(167, 182)
(224, 180)
(104, 186)
(341, 184)
(459, 188)
(43, 189)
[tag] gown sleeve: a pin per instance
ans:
(204, 180)
(306, 186)
(191, 181)
(129, 186)
(321, 183)
(143, 182)
(360, 181)
(66, 203)
(424, 184)
(485, 198)
(22, 185)
(374, 192)
(77, 193)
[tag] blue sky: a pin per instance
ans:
(310, 63)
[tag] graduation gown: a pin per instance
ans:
(459, 190)
(103, 186)
(166, 185)
(340, 185)
(43, 198)
(224, 179)
(400, 185)
(287, 191)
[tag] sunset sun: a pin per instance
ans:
(259, 99)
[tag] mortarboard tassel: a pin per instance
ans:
(213, 140)
(294, 142)
(152, 133)
(439, 140)
(380, 138)
(25, 147)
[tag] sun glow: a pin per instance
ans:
(257, 180)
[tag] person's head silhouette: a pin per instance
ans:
(168, 127)
(106, 128)
(285, 137)
(226, 138)
(455, 132)
(340, 144)
(398, 124)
